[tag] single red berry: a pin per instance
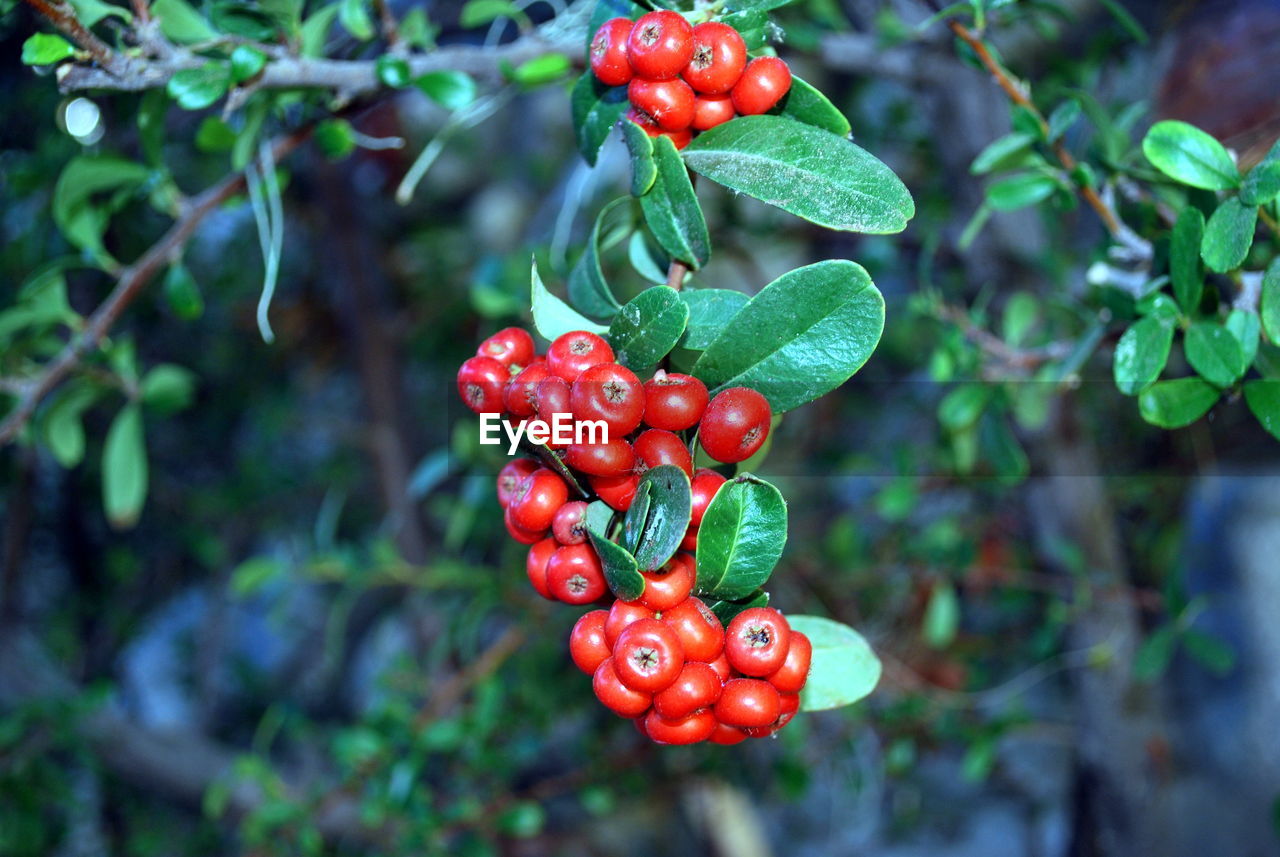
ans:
(726, 734)
(660, 45)
(481, 382)
(621, 615)
(719, 56)
(789, 705)
(735, 424)
(700, 632)
(521, 392)
(762, 85)
(551, 398)
(614, 458)
(609, 392)
(674, 402)
(648, 656)
(586, 641)
(703, 488)
(537, 499)
(690, 729)
(748, 702)
(574, 575)
(576, 351)
(711, 110)
(696, 687)
(690, 540)
(615, 695)
(794, 672)
(535, 565)
(655, 446)
(722, 668)
(644, 120)
(510, 477)
(668, 102)
(757, 640)
(510, 346)
(669, 585)
(617, 491)
(569, 525)
(519, 533)
(608, 52)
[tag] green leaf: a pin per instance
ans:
(1021, 314)
(620, 570)
(1269, 301)
(644, 169)
(667, 518)
(393, 71)
(124, 468)
(45, 49)
(804, 103)
(671, 208)
(552, 316)
(315, 30)
(181, 23)
(1246, 328)
(754, 27)
(1263, 398)
(588, 289)
(726, 609)
(596, 109)
(168, 388)
(254, 574)
(452, 90)
(1214, 353)
(1229, 235)
(198, 88)
(648, 327)
(1001, 153)
(1062, 118)
(710, 311)
(802, 336)
(961, 407)
(63, 429)
(81, 218)
(806, 171)
(416, 31)
(740, 538)
(1262, 183)
(244, 20)
(541, 70)
(843, 669)
(478, 12)
(1184, 258)
(1141, 355)
(647, 258)
(1191, 156)
(1019, 191)
(182, 293)
(1208, 651)
(90, 12)
(1154, 654)
(941, 616)
(1176, 403)
(214, 135)
(354, 17)
(756, 5)
(637, 514)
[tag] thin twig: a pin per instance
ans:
(62, 16)
(675, 274)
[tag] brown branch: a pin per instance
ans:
(62, 16)
(481, 668)
(387, 22)
(128, 286)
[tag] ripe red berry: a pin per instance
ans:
(726, 734)
(614, 458)
(481, 381)
(674, 402)
(789, 705)
(711, 110)
(569, 525)
(655, 446)
(535, 565)
(689, 729)
(576, 351)
(700, 632)
(608, 52)
(644, 120)
(520, 394)
(519, 533)
(719, 56)
(762, 85)
(609, 392)
(748, 702)
(690, 541)
(735, 424)
(510, 346)
(615, 695)
(621, 615)
(537, 499)
(703, 488)
(794, 672)
(668, 102)
(669, 585)
(722, 668)
(757, 640)
(648, 656)
(660, 45)
(574, 575)
(551, 398)
(510, 477)
(617, 491)
(679, 138)
(586, 641)
(696, 687)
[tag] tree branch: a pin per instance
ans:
(62, 16)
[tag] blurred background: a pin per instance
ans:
(316, 638)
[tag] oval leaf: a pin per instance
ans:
(1176, 403)
(124, 468)
(552, 316)
(710, 310)
(619, 565)
(671, 208)
(1215, 353)
(1264, 400)
(843, 669)
(644, 170)
(1184, 258)
(588, 289)
(1229, 235)
(1269, 305)
(668, 515)
(741, 537)
(1191, 156)
(648, 327)
(1141, 355)
(806, 104)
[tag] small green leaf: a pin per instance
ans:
(63, 428)
(740, 538)
(671, 208)
(1269, 301)
(82, 217)
(452, 90)
(941, 616)
(181, 23)
(1229, 235)
(168, 388)
(806, 104)
(90, 12)
(124, 468)
(843, 669)
(1141, 355)
(336, 138)
(214, 135)
(1247, 329)
(1214, 353)
(620, 570)
(479, 12)
(961, 407)
(1263, 398)
(725, 609)
(596, 109)
(1210, 652)
(1191, 156)
(198, 88)
(1019, 191)
(182, 293)
(710, 311)
(1176, 403)
(1154, 654)
(588, 289)
(246, 62)
(647, 258)
(45, 49)
(552, 316)
(1002, 153)
(541, 70)
(644, 169)
(667, 518)
(1262, 183)
(315, 30)
(648, 327)
(1021, 314)
(1184, 258)
(393, 71)
(254, 574)
(1062, 118)
(354, 17)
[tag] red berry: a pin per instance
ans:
(690, 541)
(668, 102)
(669, 585)
(735, 424)
(551, 398)
(621, 615)
(794, 672)
(655, 446)
(519, 533)
(757, 640)
(748, 702)
(510, 477)
(611, 393)
(762, 85)
(521, 393)
(574, 575)
(674, 402)
(615, 695)
(719, 56)
(722, 668)
(696, 687)
(690, 729)
(510, 346)
(481, 382)
(700, 632)
(711, 110)
(569, 525)
(725, 734)
(608, 52)
(644, 120)
(790, 704)
(614, 458)
(679, 138)
(648, 656)
(660, 45)
(617, 491)
(535, 565)
(703, 488)
(537, 499)
(576, 351)
(586, 641)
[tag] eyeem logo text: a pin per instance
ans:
(562, 431)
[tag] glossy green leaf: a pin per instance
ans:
(1176, 403)
(806, 171)
(1269, 302)
(354, 17)
(1191, 156)
(802, 336)
(315, 30)
(181, 23)
(644, 169)
(648, 327)
(336, 138)
(740, 538)
(710, 310)
(124, 468)
(541, 70)
(589, 292)
(62, 426)
(45, 49)
(450, 89)
(246, 62)
(843, 669)
(1002, 153)
(596, 109)
(961, 407)
(1214, 353)
(198, 88)
(1019, 191)
(168, 388)
(90, 12)
(620, 570)
(1263, 398)
(1261, 184)
(637, 514)
(806, 104)
(725, 609)
(647, 258)
(1246, 328)
(79, 214)
(753, 25)
(1141, 354)
(667, 518)
(757, 5)
(1229, 235)
(1185, 269)
(182, 292)
(479, 12)
(552, 316)
(941, 616)
(215, 135)
(671, 208)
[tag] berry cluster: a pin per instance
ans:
(682, 79)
